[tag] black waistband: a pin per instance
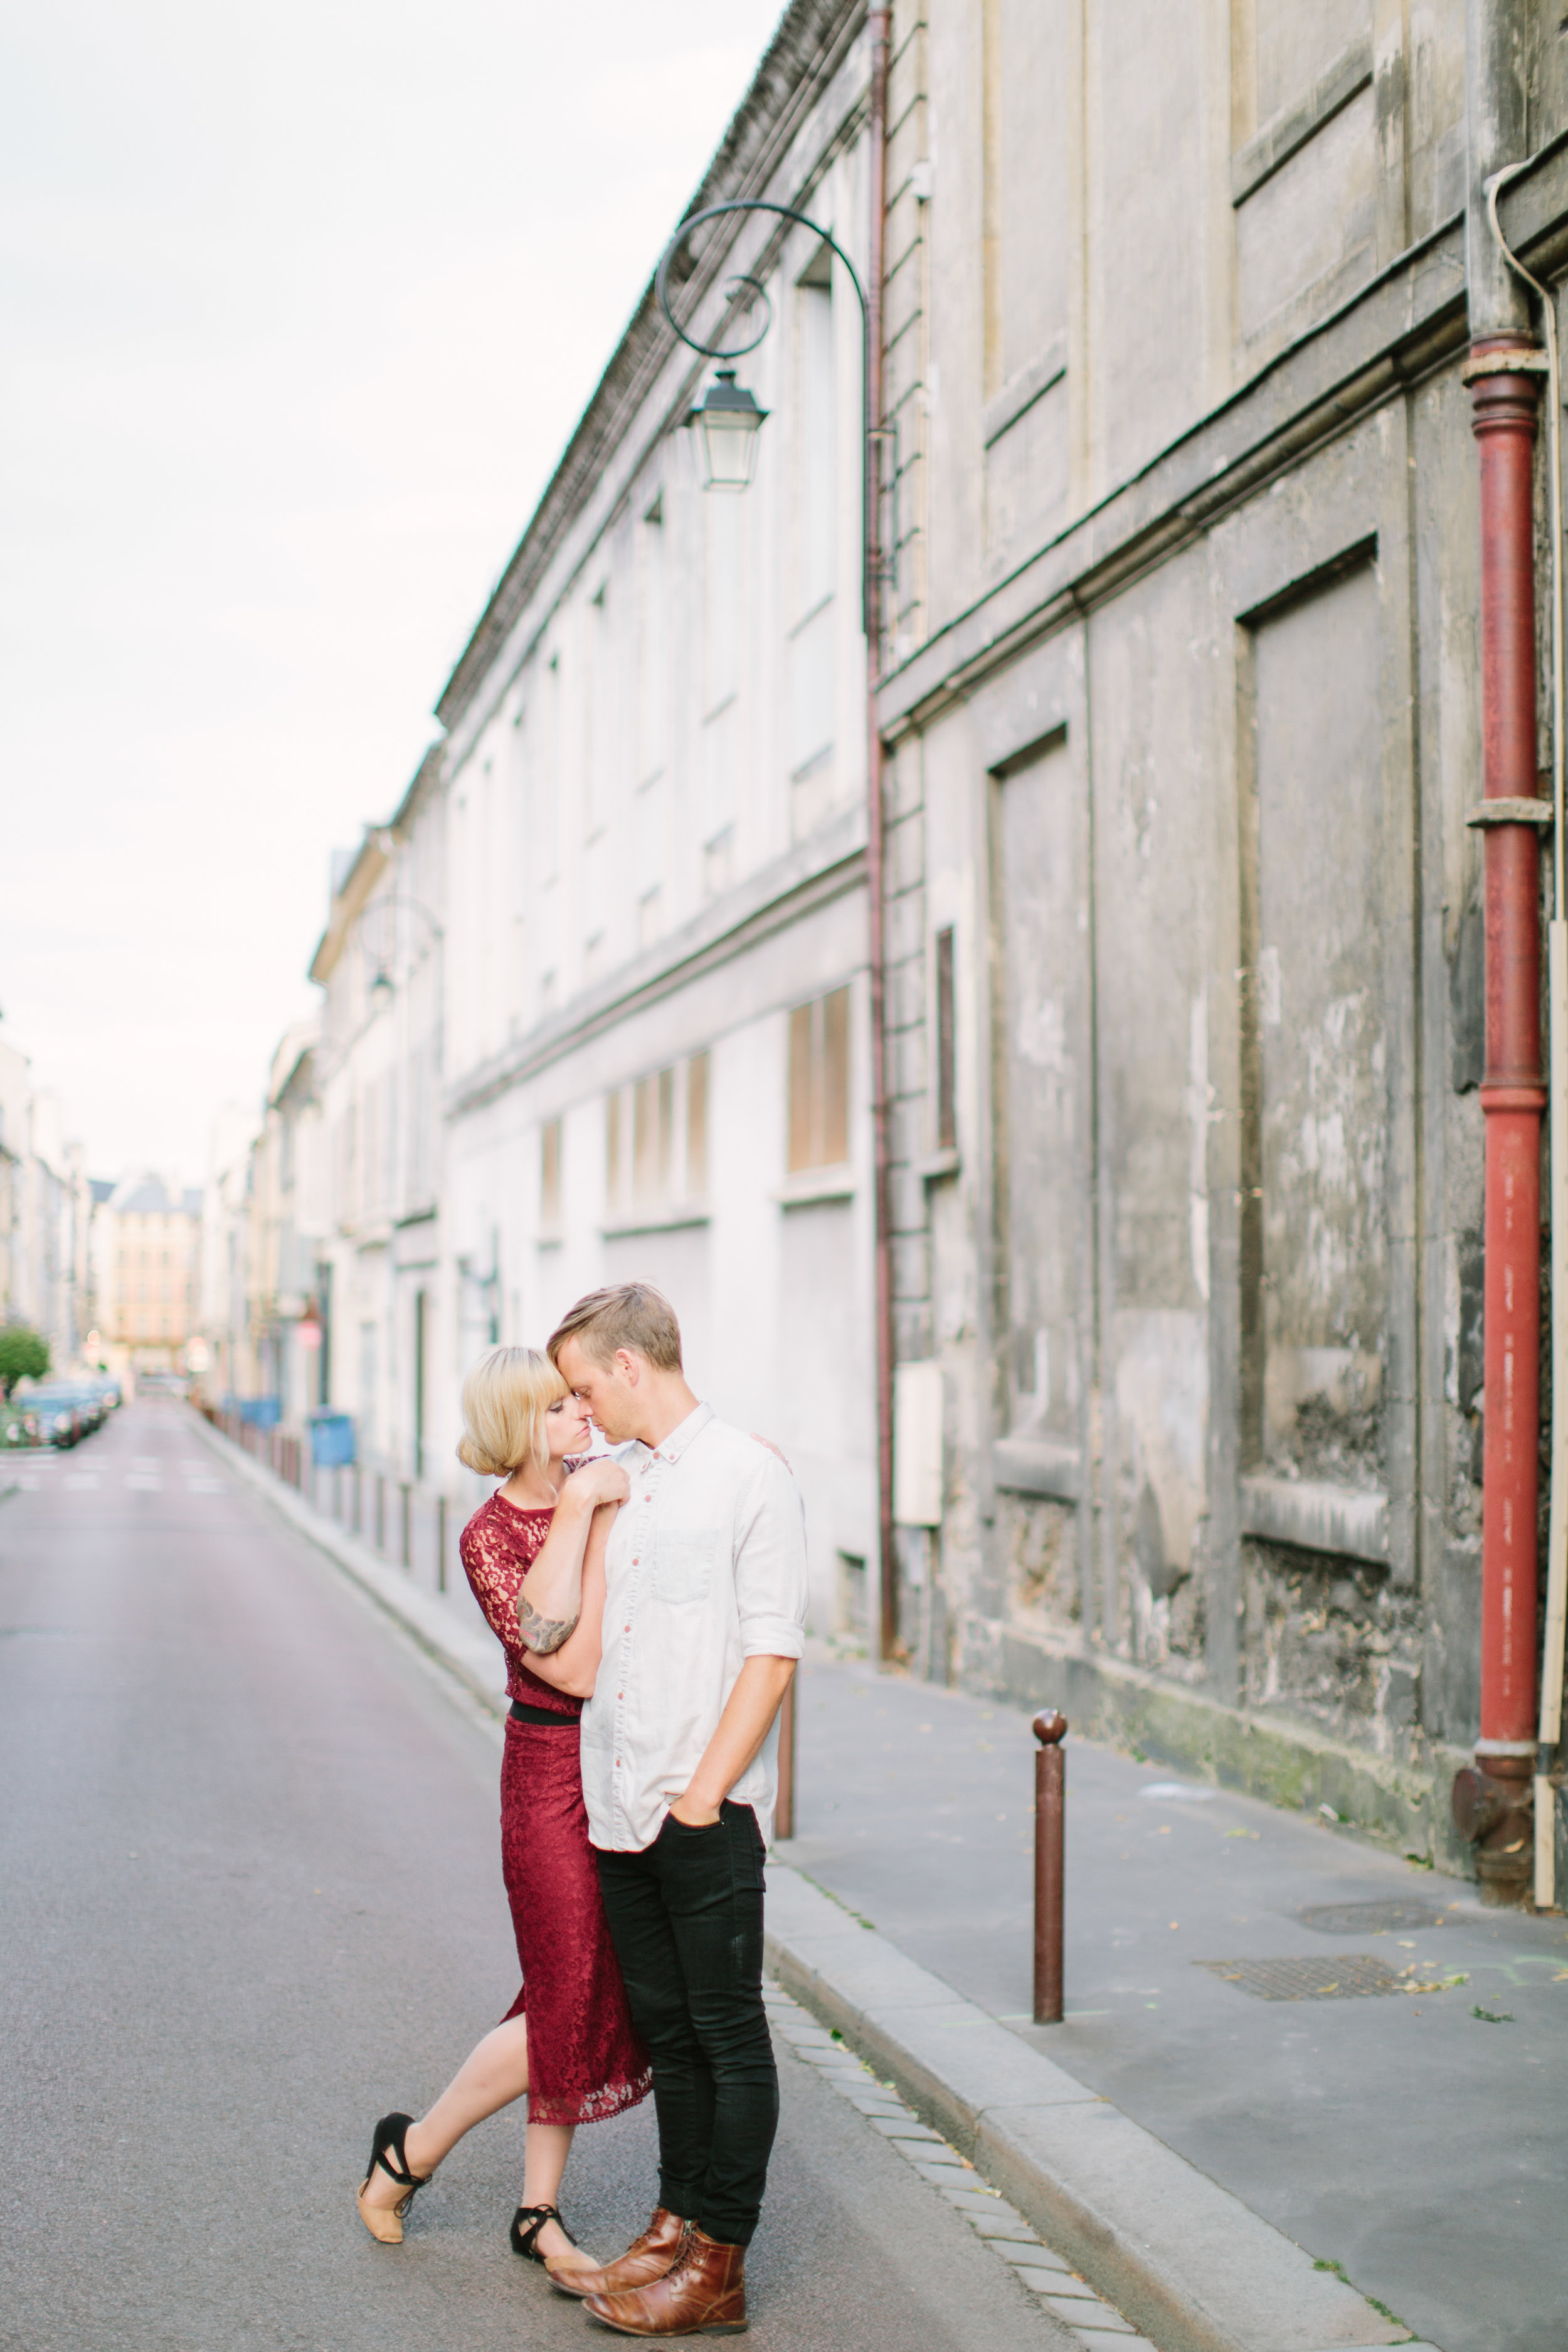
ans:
(553, 1716)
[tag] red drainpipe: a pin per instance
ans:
(1492, 1803)
(879, 24)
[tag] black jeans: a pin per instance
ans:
(686, 1917)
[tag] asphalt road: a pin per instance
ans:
(252, 1898)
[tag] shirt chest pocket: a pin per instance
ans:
(683, 1562)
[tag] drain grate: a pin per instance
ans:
(1366, 1919)
(1334, 1976)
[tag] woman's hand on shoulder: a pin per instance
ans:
(600, 1480)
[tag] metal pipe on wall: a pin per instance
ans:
(1491, 1803)
(1548, 1729)
(879, 27)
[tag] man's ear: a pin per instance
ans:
(628, 1367)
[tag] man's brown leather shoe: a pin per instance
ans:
(645, 2259)
(703, 2293)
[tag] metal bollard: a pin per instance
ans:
(783, 1811)
(403, 1490)
(440, 1543)
(1050, 1819)
(381, 1511)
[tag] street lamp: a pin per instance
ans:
(729, 419)
(378, 940)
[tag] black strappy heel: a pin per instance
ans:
(387, 2150)
(526, 2224)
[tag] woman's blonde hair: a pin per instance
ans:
(505, 1398)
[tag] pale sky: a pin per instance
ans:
(298, 307)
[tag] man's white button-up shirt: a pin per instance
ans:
(705, 1568)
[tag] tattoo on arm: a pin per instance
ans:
(542, 1634)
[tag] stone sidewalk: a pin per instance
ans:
(1409, 2141)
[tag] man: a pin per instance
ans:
(704, 1623)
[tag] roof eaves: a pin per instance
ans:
(428, 773)
(370, 863)
(806, 46)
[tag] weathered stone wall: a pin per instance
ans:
(1183, 762)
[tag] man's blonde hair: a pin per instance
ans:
(631, 1314)
(505, 1399)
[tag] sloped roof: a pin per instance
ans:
(145, 1194)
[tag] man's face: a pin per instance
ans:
(609, 1391)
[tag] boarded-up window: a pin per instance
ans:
(946, 1076)
(648, 1151)
(656, 1140)
(549, 1174)
(819, 1082)
(1039, 847)
(1317, 1121)
(696, 1124)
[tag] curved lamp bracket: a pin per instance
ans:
(712, 212)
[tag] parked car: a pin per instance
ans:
(61, 1418)
(19, 1425)
(67, 1411)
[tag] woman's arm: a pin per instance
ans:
(549, 1598)
(575, 1665)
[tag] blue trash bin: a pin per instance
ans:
(262, 1412)
(331, 1439)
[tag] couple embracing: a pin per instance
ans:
(653, 1600)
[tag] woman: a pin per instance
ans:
(582, 2060)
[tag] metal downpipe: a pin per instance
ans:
(1492, 1800)
(879, 25)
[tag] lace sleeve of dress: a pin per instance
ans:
(496, 1560)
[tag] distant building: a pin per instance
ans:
(285, 1211)
(146, 1255)
(44, 1277)
(221, 1360)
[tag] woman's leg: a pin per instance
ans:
(490, 2077)
(549, 2146)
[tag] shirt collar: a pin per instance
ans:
(672, 1447)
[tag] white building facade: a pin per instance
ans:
(46, 1277)
(597, 1001)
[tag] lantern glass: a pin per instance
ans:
(730, 420)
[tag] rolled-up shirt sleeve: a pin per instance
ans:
(770, 1562)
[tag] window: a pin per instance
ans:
(819, 1083)
(549, 1175)
(946, 1090)
(656, 1140)
(696, 1124)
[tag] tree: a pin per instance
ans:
(24, 1355)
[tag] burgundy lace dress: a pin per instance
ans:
(585, 2060)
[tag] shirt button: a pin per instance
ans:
(634, 1559)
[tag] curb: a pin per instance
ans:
(471, 1657)
(1186, 2261)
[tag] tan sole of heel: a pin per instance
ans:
(385, 2227)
